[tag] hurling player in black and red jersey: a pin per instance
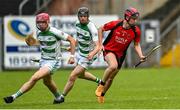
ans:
(123, 32)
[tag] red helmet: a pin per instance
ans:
(131, 12)
(42, 17)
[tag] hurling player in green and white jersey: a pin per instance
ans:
(48, 38)
(88, 46)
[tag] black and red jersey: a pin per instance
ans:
(120, 37)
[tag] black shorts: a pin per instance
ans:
(120, 60)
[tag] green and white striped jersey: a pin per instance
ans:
(50, 42)
(87, 34)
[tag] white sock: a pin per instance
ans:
(17, 94)
(14, 96)
(62, 96)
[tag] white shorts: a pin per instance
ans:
(84, 62)
(53, 65)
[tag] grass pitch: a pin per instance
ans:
(157, 88)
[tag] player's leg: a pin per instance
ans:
(48, 81)
(72, 78)
(111, 77)
(109, 82)
(107, 85)
(112, 67)
(84, 62)
(88, 76)
(42, 72)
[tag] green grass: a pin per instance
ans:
(157, 88)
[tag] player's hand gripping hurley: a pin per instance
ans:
(148, 54)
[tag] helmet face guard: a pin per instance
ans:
(131, 13)
(135, 15)
(83, 11)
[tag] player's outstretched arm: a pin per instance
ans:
(138, 50)
(72, 49)
(100, 35)
(95, 51)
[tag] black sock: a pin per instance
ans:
(102, 83)
(102, 94)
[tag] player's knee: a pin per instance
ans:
(113, 67)
(81, 76)
(34, 78)
(72, 78)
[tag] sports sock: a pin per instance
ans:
(62, 96)
(98, 80)
(102, 94)
(56, 94)
(102, 82)
(17, 94)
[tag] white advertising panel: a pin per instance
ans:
(16, 52)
